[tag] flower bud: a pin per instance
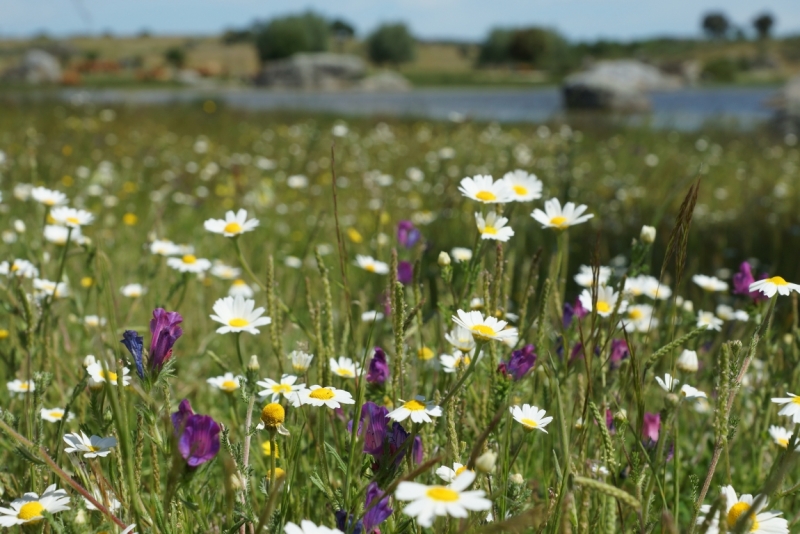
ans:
(486, 462)
(273, 415)
(672, 399)
(253, 364)
(517, 479)
(687, 361)
(648, 234)
(19, 226)
(444, 259)
(620, 418)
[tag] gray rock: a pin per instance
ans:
(620, 85)
(322, 71)
(36, 67)
(787, 104)
(386, 81)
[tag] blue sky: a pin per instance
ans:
(460, 19)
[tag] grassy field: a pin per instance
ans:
(621, 454)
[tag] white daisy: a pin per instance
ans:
(554, 216)
(531, 417)
(371, 316)
(708, 319)
(449, 475)
(522, 187)
(109, 500)
(54, 415)
(189, 263)
(97, 376)
(606, 301)
(768, 522)
(237, 315)
(484, 329)
(585, 277)
(42, 288)
(90, 447)
(654, 289)
(74, 218)
(300, 361)
(692, 393)
(372, 265)
(29, 507)
(164, 247)
(307, 527)
(668, 382)
(771, 286)
(239, 288)
(225, 272)
(780, 435)
(461, 254)
(322, 396)
(484, 189)
(709, 283)
(461, 338)
(726, 313)
(227, 382)
(133, 291)
(639, 318)
(427, 502)
(274, 389)
(451, 363)
(417, 409)
(791, 406)
(233, 225)
(21, 387)
(493, 227)
(94, 321)
(48, 197)
(687, 361)
(58, 234)
(20, 268)
(345, 367)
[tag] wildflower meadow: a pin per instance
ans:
(214, 321)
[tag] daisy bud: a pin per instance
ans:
(620, 418)
(444, 259)
(80, 517)
(517, 479)
(486, 462)
(688, 306)
(648, 234)
(19, 226)
(672, 399)
(89, 360)
(253, 364)
(273, 415)
(687, 361)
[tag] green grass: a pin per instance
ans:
(143, 174)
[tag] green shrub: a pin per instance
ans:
(391, 43)
(721, 70)
(283, 37)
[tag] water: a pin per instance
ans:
(685, 109)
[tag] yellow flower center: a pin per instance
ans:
(369, 267)
(736, 511)
(414, 405)
(783, 442)
(483, 331)
(279, 473)
(24, 386)
(491, 230)
(281, 388)
(30, 510)
(521, 191)
(321, 394)
(110, 376)
(56, 414)
(232, 228)
(92, 448)
(73, 220)
(86, 281)
(603, 307)
(559, 221)
(796, 400)
(345, 372)
(486, 196)
(529, 423)
(239, 282)
(267, 449)
(229, 385)
(130, 219)
(238, 322)
(442, 494)
(635, 314)
(190, 258)
(49, 202)
(4, 333)
(273, 415)
(461, 470)
(778, 281)
(425, 353)
(15, 267)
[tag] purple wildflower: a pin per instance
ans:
(135, 345)
(612, 428)
(566, 317)
(407, 234)
(378, 371)
(405, 272)
(742, 281)
(165, 330)
(379, 511)
(373, 419)
(397, 438)
(521, 362)
(198, 440)
(619, 351)
(651, 427)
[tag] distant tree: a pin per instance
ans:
(175, 56)
(144, 33)
(529, 45)
(283, 37)
(763, 25)
(716, 25)
(496, 48)
(342, 30)
(238, 36)
(391, 43)
(538, 47)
